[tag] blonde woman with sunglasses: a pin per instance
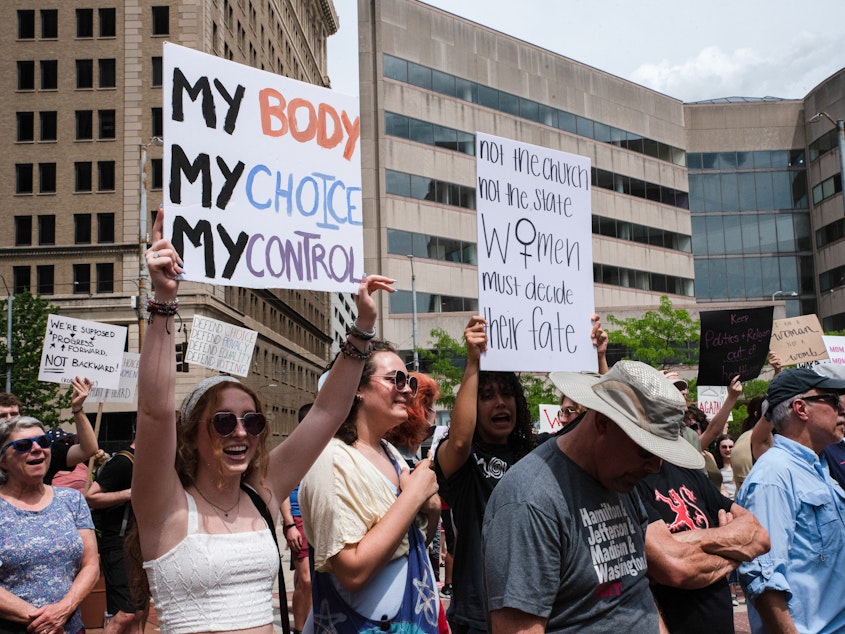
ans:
(48, 552)
(207, 550)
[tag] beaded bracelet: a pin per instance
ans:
(351, 352)
(163, 308)
(363, 335)
(75, 411)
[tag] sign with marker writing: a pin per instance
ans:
(711, 398)
(549, 422)
(535, 257)
(220, 346)
(835, 349)
(798, 339)
(75, 347)
(262, 176)
(733, 342)
(126, 389)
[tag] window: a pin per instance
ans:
(84, 73)
(105, 277)
(23, 178)
(157, 174)
(49, 125)
(26, 75)
(26, 24)
(105, 176)
(107, 124)
(161, 20)
(158, 122)
(105, 228)
(108, 22)
(158, 72)
(26, 126)
(20, 278)
(23, 231)
(82, 176)
(49, 74)
(81, 279)
(84, 125)
(82, 228)
(84, 23)
(44, 279)
(47, 229)
(47, 178)
(49, 24)
(108, 73)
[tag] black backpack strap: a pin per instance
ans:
(265, 513)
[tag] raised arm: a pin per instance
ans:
(290, 460)
(716, 425)
(87, 445)
(454, 451)
(599, 339)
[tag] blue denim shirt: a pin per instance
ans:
(791, 493)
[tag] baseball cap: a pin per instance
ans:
(791, 383)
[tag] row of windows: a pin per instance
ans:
(453, 86)
(631, 186)
(49, 74)
(45, 278)
(83, 177)
(401, 302)
(48, 125)
(422, 188)
(641, 234)
(748, 191)
(824, 144)
(47, 229)
(421, 245)
(827, 188)
(751, 233)
(759, 159)
(106, 23)
(830, 233)
(642, 280)
(832, 279)
(752, 278)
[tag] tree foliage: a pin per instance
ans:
(29, 323)
(662, 338)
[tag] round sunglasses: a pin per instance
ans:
(401, 380)
(24, 445)
(225, 423)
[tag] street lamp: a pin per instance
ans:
(784, 293)
(839, 124)
(414, 310)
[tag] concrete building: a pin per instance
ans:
(82, 114)
(430, 80)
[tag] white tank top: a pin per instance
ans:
(214, 582)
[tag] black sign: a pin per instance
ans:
(733, 342)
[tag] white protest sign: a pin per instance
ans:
(75, 347)
(549, 422)
(125, 391)
(711, 398)
(262, 176)
(439, 434)
(835, 349)
(535, 256)
(220, 346)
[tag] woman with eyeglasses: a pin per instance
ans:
(203, 482)
(359, 504)
(48, 552)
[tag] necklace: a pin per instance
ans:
(220, 508)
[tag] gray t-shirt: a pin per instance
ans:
(559, 545)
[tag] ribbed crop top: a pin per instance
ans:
(214, 582)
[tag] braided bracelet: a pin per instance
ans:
(163, 308)
(351, 352)
(363, 335)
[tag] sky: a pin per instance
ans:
(688, 50)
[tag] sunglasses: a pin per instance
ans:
(225, 423)
(566, 411)
(24, 445)
(401, 380)
(830, 399)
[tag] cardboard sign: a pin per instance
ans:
(220, 346)
(75, 347)
(835, 349)
(733, 342)
(262, 176)
(711, 398)
(535, 257)
(549, 422)
(126, 389)
(798, 339)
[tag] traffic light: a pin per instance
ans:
(181, 351)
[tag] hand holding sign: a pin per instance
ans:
(163, 263)
(367, 311)
(475, 335)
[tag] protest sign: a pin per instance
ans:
(535, 258)
(835, 349)
(798, 339)
(220, 346)
(262, 176)
(733, 342)
(549, 421)
(125, 390)
(711, 398)
(75, 347)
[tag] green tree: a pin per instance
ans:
(662, 338)
(29, 323)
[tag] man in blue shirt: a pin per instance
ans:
(798, 585)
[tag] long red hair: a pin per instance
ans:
(413, 431)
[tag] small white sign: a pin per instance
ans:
(835, 349)
(549, 422)
(75, 347)
(220, 346)
(711, 398)
(125, 391)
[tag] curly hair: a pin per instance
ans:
(413, 431)
(521, 439)
(347, 431)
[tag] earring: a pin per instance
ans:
(358, 397)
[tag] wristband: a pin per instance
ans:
(163, 308)
(287, 526)
(75, 411)
(351, 352)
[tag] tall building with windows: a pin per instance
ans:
(82, 118)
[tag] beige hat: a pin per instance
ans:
(642, 402)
